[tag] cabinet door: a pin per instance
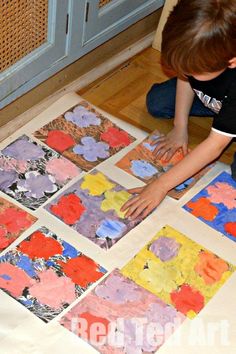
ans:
(104, 18)
(33, 38)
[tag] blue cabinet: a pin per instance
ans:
(71, 29)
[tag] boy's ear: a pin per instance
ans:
(232, 63)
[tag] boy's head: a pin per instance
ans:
(200, 37)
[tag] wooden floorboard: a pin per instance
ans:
(122, 93)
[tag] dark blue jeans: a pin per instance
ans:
(160, 103)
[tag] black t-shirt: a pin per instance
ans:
(219, 95)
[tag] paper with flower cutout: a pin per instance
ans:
(91, 206)
(178, 270)
(13, 222)
(46, 274)
(84, 136)
(215, 205)
(31, 173)
(119, 307)
(141, 163)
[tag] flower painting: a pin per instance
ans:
(118, 307)
(141, 163)
(178, 270)
(84, 136)
(215, 205)
(91, 206)
(31, 173)
(46, 274)
(13, 222)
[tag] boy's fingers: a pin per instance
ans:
(157, 140)
(147, 211)
(169, 154)
(128, 204)
(185, 149)
(159, 149)
(132, 210)
(137, 190)
(137, 209)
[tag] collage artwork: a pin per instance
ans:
(170, 279)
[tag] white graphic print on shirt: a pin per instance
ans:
(209, 102)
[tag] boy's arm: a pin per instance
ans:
(150, 196)
(178, 136)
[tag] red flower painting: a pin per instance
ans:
(59, 141)
(230, 228)
(13, 221)
(203, 208)
(77, 270)
(116, 138)
(91, 320)
(187, 299)
(40, 246)
(69, 208)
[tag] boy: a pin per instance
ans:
(199, 44)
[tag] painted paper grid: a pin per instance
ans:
(119, 307)
(215, 205)
(84, 136)
(46, 274)
(92, 208)
(13, 222)
(179, 271)
(31, 173)
(141, 163)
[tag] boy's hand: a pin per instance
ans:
(147, 199)
(169, 144)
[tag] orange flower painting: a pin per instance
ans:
(142, 163)
(215, 205)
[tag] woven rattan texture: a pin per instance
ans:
(23, 28)
(103, 2)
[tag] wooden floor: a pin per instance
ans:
(122, 93)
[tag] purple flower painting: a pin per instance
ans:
(92, 208)
(81, 117)
(126, 315)
(31, 173)
(92, 150)
(84, 136)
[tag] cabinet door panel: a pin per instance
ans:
(104, 16)
(42, 43)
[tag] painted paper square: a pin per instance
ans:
(141, 163)
(13, 222)
(84, 136)
(129, 317)
(91, 206)
(215, 205)
(46, 274)
(31, 173)
(178, 270)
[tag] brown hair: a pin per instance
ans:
(200, 36)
